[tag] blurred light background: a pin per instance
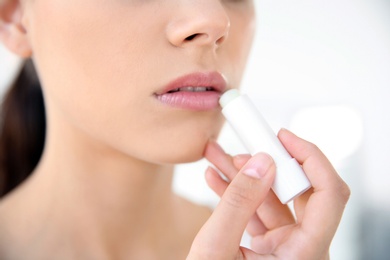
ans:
(321, 69)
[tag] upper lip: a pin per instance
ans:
(213, 80)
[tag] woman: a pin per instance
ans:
(131, 88)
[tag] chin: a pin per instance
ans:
(185, 152)
(184, 145)
(185, 155)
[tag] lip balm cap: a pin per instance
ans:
(228, 96)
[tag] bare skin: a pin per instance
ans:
(247, 200)
(55, 228)
(102, 189)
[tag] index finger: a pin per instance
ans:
(224, 162)
(325, 206)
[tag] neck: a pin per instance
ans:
(114, 199)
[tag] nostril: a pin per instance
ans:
(191, 37)
(205, 37)
(221, 40)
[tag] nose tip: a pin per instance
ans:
(200, 27)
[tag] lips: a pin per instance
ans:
(191, 89)
(196, 91)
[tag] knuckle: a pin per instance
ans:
(313, 148)
(237, 197)
(345, 192)
(342, 192)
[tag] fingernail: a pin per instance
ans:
(257, 167)
(242, 156)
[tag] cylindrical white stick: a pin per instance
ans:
(257, 136)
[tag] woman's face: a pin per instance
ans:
(111, 69)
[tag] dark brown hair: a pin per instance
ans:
(22, 129)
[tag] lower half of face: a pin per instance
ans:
(103, 65)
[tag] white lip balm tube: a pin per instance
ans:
(257, 136)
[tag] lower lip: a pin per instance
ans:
(200, 101)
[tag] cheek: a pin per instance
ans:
(88, 62)
(84, 45)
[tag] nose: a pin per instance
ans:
(200, 23)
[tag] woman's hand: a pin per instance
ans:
(247, 202)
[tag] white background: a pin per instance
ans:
(322, 69)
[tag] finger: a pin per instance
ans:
(273, 213)
(222, 233)
(330, 193)
(268, 243)
(215, 181)
(317, 167)
(218, 185)
(300, 204)
(248, 254)
(240, 160)
(270, 215)
(215, 154)
(255, 226)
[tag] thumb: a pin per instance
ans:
(221, 234)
